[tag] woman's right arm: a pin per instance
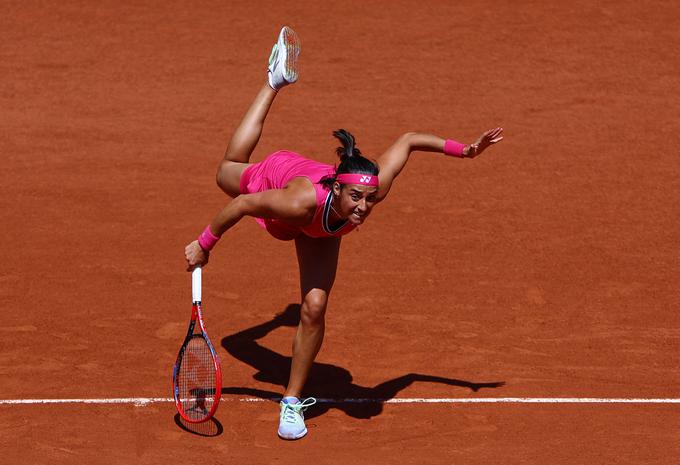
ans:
(296, 205)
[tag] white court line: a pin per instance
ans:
(142, 401)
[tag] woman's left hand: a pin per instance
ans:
(490, 137)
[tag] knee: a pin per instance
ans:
(313, 308)
(228, 178)
(222, 171)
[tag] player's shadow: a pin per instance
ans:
(325, 380)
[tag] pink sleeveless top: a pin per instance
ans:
(274, 172)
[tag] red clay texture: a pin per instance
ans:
(548, 264)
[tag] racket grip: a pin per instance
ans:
(196, 284)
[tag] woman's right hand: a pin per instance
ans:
(195, 256)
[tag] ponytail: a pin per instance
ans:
(349, 148)
(351, 159)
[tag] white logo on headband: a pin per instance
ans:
(365, 179)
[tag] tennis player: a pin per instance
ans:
(312, 203)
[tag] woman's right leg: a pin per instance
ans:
(243, 142)
(282, 71)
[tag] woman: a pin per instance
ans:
(312, 203)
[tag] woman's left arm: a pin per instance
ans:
(394, 159)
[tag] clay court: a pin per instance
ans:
(545, 269)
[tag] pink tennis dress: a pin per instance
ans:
(274, 172)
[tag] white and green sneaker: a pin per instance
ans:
(291, 420)
(283, 59)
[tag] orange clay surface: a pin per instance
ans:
(549, 264)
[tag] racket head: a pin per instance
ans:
(197, 374)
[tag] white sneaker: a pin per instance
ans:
(283, 59)
(291, 419)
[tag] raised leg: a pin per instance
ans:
(318, 260)
(243, 142)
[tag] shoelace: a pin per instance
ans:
(290, 410)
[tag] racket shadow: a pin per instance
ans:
(209, 428)
(330, 382)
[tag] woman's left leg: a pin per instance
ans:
(318, 260)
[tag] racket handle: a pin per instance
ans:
(196, 284)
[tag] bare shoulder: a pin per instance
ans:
(295, 203)
(301, 192)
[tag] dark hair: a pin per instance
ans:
(351, 160)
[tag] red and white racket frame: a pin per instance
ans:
(197, 315)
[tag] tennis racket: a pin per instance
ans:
(197, 376)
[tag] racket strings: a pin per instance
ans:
(197, 379)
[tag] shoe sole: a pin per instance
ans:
(291, 42)
(299, 436)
